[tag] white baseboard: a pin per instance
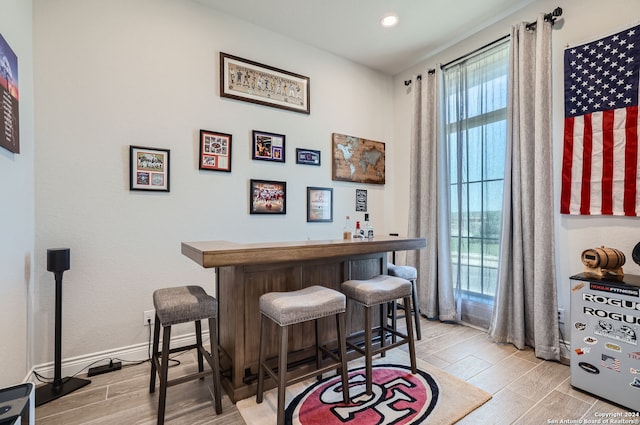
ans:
(131, 354)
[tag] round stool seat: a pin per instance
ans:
(287, 308)
(405, 272)
(183, 304)
(377, 290)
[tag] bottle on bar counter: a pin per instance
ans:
(359, 233)
(346, 233)
(368, 228)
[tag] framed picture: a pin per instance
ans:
(267, 197)
(361, 200)
(149, 169)
(268, 146)
(215, 151)
(244, 79)
(9, 98)
(307, 156)
(319, 204)
(357, 160)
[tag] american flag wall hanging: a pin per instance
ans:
(600, 174)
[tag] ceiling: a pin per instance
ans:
(351, 28)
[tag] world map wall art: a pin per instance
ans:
(357, 160)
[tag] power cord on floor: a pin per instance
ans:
(174, 361)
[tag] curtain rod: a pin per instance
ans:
(531, 26)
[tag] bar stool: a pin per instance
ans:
(181, 305)
(288, 308)
(411, 274)
(378, 291)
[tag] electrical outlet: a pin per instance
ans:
(149, 316)
(561, 315)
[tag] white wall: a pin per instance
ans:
(583, 21)
(17, 206)
(145, 72)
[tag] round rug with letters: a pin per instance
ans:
(399, 397)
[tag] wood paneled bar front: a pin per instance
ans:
(246, 271)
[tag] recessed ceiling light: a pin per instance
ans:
(389, 21)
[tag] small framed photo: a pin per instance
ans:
(268, 146)
(149, 169)
(267, 197)
(307, 156)
(319, 204)
(361, 200)
(215, 151)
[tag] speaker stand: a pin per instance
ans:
(59, 387)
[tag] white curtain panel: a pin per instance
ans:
(525, 310)
(429, 202)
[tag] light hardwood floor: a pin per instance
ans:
(525, 390)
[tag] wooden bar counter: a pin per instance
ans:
(246, 271)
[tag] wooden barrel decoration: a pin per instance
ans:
(603, 258)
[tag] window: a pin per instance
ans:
(476, 131)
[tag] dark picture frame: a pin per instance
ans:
(361, 200)
(267, 197)
(215, 151)
(307, 157)
(149, 168)
(319, 204)
(250, 81)
(268, 146)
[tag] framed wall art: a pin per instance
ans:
(215, 151)
(307, 156)
(361, 200)
(319, 204)
(9, 98)
(357, 160)
(267, 197)
(250, 81)
(149, 169)
(268, 146)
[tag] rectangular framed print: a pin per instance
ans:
(267, 197)
(250, 81)
(307, 157)
(319, 204)
(268, 146)
(149, 169)
(215, 151)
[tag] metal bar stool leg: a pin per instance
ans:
(412, 348)
(318, 351)
(394, 320)
(416, 309)
(164, 372)
(215, 355)
(154, 354)
(342, 346)
(368, 349)
(261, 358)
(282, 373)
(199, 342)
(384, 311)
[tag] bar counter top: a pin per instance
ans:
(224, 253)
